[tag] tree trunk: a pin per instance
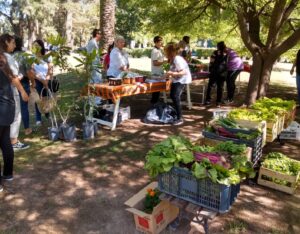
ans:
(259, 78)
(32, 31)
(69, 28)
(107, 22)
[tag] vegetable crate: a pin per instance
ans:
(180, 183)
(267, 177)
(262, 125)
(163, 214)
(289, 117)
(280, 123)
(255, 144)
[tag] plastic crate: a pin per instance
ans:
(255, 144)
(180, 182)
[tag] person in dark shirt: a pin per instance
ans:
(297, 65)
(7, 114)
(218, 73)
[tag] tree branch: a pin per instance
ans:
(5, 15)
(289, 43)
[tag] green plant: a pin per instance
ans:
(151, 200)
(86, 62)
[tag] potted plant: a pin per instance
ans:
(66, 131)
(86, 62)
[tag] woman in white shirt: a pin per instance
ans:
(180, 74)
(7, 46)
(118, 59)
(42, 71)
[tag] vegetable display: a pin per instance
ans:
(252, 115)
(280, 163)
(222, 128)
(275, 105)
(225, 163)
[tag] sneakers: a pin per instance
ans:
(178, 122)
(19, 146)
(8, 178)
(38, 123)
(228, 101)
(207, 103)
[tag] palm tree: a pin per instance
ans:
(107, 22)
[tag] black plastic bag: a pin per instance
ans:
(160, 113)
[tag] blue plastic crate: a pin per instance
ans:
(255, 144)
(180, 182)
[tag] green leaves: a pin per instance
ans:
(281, 163)
(164, 155)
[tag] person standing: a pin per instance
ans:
(24, 68)
(157, 60)
(234, 66)
(181, 76)
(7, 116)
(118, 59)
(93, 45)
(218, 73)
(297, 65)
(42, 75)
(7, 46)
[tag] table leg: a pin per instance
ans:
(239, 85)
(188, 96)
(165, 97)
(115, 116)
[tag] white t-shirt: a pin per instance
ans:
(41, 69)
(118, 59)
(92, 45)
(157, 55)
(180, 64)
(14, 67)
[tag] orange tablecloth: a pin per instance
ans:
(116, 92)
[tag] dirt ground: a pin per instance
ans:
(81, 187)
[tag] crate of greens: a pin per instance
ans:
(279, 172)
(224, 129)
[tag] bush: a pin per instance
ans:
(138, 53)
(206, 53)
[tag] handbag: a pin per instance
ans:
(53, 85)
(46, 103)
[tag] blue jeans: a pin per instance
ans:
(298, 86)
(24, 105)
(175, 94)
(39, 86)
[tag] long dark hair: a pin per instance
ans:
(3, 39)
(19, 44)
(41, 44)
(4, 67)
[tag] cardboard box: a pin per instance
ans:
(163, 214)
(292, 132)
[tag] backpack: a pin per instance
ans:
(160, 113)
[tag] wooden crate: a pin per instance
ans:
(280, 123)
(272, 130)
(277, 175)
